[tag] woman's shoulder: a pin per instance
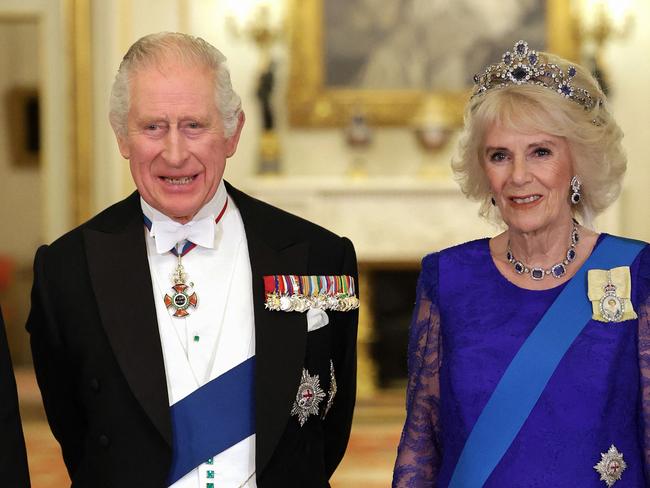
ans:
(466, 252)
(471, 252)
(642, 259)
(643, 246)
(640, 266)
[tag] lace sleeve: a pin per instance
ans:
(643, 295)
(418, 455)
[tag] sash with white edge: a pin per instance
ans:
(527, 375)
(212, 418)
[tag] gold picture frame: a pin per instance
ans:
(311, 103)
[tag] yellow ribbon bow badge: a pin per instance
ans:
(609, 292)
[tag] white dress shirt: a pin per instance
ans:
(217, 336)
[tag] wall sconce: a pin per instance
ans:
(254, 20)
(601, 21)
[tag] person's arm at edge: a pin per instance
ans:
(14, 472)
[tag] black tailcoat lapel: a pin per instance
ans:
(121, 281)
(280, 338)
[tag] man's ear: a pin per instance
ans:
(121, 137)
(123, 144)
(233, 140)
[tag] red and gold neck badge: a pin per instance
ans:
(183, 299)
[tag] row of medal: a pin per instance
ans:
(289, 293)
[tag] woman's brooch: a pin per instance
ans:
(609, 292)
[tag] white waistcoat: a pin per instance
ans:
(217, 336)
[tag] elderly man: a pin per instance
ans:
(190, 335)
(13, 460)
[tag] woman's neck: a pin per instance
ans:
(543, 247)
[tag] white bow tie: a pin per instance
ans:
(168, 233)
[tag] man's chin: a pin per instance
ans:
(180, 213)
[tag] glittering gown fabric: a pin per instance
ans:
(468, 323)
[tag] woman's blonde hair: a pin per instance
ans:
(593, 136)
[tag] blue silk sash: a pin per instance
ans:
(213, 418)
(530, 370)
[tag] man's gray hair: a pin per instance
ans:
(154, 50)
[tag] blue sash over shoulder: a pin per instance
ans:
(213, 418)
(530, 370)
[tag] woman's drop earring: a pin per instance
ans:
(575, 190)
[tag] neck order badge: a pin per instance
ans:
(183, 299)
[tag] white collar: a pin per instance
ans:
(201, 228)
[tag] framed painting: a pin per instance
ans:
(385, 59)
(23, 122)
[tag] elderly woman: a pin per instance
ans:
(529, 353)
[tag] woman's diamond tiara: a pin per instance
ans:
(524, 65)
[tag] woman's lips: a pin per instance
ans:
(527, 199)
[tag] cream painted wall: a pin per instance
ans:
(54, 191)
(628, 65)
(319, 152)
(21, 213)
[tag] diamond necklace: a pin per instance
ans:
(557, 270)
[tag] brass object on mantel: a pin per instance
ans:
(358, 137)
(433, 126)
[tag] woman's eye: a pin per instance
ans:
(498, 156)
(542, 152)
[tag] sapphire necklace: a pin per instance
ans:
(557, 270)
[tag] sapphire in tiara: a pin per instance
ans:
(521, 47)
(537, 273)
(558, 270)
(566, 89)
(519, 74)
(524, 65)
(571, 255)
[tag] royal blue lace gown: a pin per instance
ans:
(468, 323)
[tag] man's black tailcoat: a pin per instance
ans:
(99, 362)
